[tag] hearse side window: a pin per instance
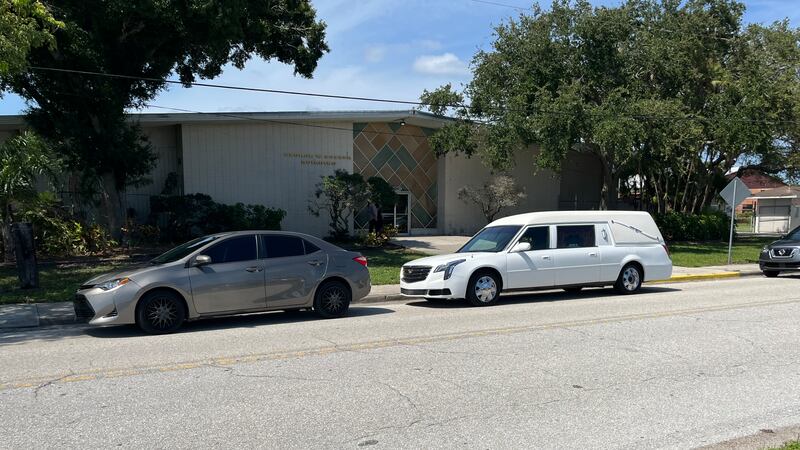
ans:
(278, 246)
(538, 237)
(575, 236)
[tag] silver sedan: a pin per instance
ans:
(224, 274)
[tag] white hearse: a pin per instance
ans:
(545, 250)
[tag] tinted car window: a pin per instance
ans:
(575, 236)
(240, 248)
(538, 237)
(277, 246)
(310, 248)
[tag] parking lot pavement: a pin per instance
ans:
(676, 366)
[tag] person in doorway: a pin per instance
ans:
(374, 217)
(378, 219)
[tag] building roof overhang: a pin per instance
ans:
(411, 117)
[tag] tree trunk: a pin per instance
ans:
(25, 252)
(113, 206)
(8, 243)
(608, 192)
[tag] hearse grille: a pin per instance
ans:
(412, 274)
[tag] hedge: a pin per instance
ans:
(710, 226)
(190, 216)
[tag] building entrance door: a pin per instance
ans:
(398, 215)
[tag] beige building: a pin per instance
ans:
(276, 159)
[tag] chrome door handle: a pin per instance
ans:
(254, 269)
(545, 257)
(315, 263)
(593, 255)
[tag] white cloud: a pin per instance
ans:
(375, 53)
(445, 64)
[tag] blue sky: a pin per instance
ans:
(381, 48)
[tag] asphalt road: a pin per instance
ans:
(676, 366)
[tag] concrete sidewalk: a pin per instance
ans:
(40, 314)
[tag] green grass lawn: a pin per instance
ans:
(699, 254)
(793, 445)
(57, 282)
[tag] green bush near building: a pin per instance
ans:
(709, 226)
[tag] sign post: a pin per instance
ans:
(734, 194)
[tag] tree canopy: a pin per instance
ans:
(24, 25)
(668, 94)
(147, 41)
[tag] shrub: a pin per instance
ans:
(374, 239)
(709, 226)
(56, 233)
(190, 216)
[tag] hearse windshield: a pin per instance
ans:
(491, 239)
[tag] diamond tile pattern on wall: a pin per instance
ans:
(402, 157)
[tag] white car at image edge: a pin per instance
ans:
(545, 250)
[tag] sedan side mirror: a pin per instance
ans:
(202, 260)
(521, 247)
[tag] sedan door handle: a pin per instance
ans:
(315, 263)
(254, 269)
(546, 257)
(593, 255)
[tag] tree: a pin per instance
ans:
(381, 192)
(24, 25)
(340, 194)
(23, 159)
(495, 195)
(146, 42)
(670, 92)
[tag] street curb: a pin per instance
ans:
(382, 298)
(705, 277)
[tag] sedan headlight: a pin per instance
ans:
(113, 284)
(448, 267)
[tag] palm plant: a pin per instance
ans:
(24, 160)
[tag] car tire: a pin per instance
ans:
(573, 289)
(629, 280)
(771, 273)
(160, 312)
(483, 288)
(332, 299)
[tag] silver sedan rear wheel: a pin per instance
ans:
(332, 299)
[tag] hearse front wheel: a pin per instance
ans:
(483, 289)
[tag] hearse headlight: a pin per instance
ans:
(448, 267)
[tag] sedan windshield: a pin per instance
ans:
(490, 239)
(182, 250)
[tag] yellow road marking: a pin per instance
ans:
(227, 361)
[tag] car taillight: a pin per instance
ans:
(361, 260)
(666, 249)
